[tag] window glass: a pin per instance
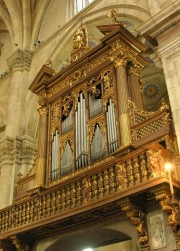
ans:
(82, 4)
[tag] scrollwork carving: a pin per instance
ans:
(119, 60)
(107, 81)
(94, 92)
(134, 69)
(136, 217)
(19, 246)
(66, 110)
(171, 207)
(42, 110)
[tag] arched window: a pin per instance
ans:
(80, 4)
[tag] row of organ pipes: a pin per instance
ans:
(81, 134)
(111, 127)
(67, 123)
(55, 156)
(97, 147)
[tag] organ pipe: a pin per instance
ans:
(67, 123)
(111, 127)
(55, 156)
(81, 138)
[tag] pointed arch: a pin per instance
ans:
(15, 11)
(26, 7)
(38, 20)
(5, 17)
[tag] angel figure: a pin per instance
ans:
(80, 38)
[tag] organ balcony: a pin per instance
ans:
(99, 152)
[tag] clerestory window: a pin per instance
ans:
(80, 4)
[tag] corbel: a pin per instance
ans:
(137, 218)
(20, 245)
(170, 205)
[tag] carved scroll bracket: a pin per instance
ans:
(137, 218)
(20, 246)
(171, 207)
(6, 245)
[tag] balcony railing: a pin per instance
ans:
(148, 126)
(105, 181)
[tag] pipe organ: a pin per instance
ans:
(86, 125)
(87, 102)
(98, 154)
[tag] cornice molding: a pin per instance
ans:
(166, 28)
(161, 22)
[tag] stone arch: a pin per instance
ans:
(38, 20)
(15, 11)
(26, 8)
(8, 23)
(91, 16)
(97, 235)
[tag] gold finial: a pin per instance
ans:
(112, 14)
(49, 63)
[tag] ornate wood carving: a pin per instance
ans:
(102, 183)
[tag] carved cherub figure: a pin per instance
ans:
(155, 161)
(80, 38)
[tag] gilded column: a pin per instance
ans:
(120, 63)
(135, 85)
(42, 144)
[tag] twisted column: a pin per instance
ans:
(42, 143)
(120, 63)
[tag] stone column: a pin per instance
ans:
(169, 52)
(135, 85)
(19, 65)
(13, 144)
(42, 144)
(120, 62)
(16, 157)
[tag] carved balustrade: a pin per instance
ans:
(145, 125)
(107, 180)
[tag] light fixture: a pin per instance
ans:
(168, 166)
(88, 249)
